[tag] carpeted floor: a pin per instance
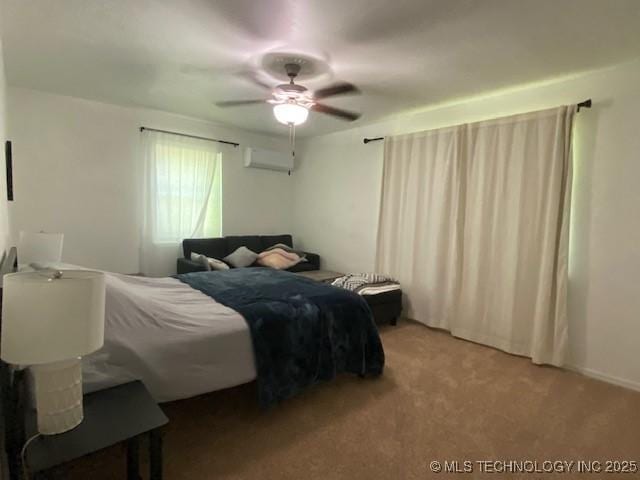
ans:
(440, 398)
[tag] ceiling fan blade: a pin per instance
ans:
(238, 103)
(336, 112)
(341, 88)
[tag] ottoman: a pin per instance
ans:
(385, 306)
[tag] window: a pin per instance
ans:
(182, 196)
(188, 185)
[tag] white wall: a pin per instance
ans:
(4, 223)
(77, 171)
(337, 188)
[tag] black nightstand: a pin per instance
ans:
(119, 414)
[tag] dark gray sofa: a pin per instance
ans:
(223, 246)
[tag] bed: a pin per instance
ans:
(200, 332)
(182, 337)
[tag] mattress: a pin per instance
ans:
(177, 340)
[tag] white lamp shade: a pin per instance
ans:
(39, 247)
(47, 319)
(290, 113)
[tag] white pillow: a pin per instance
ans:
(216, 264)
(201, 259)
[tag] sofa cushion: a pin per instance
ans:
(267, 241)
(211, 247)
(252, 242)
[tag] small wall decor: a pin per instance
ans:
(9, 164)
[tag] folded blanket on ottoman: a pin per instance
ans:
(366, 283)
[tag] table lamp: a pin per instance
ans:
(49, 320)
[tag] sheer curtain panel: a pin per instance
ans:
(182, 197)
(474, 223)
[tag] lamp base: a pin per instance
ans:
(58, 388)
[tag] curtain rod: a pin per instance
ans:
(142, 129)
(586, 104)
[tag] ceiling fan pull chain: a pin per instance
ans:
(291, 135)
(292, 141)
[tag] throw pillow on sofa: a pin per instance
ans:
(287, 248)
(241, 257)
(201, 260)
(278, 258)
(217, 265)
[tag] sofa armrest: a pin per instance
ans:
(312, 263)
(313, 259)
(188, 266)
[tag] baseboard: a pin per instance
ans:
(621, 382)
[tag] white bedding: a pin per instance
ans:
(177, 340)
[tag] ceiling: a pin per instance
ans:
(183, 55)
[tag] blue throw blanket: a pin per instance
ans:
(303, 331)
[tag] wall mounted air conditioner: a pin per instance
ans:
(268, 159)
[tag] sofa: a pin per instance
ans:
(223, 246)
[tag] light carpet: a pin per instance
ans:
(440, 399)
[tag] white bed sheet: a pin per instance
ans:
(177, 340)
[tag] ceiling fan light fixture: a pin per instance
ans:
(290, 113)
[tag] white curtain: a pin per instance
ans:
(182, 197)
(474, 223)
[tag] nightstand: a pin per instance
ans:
(114, 415)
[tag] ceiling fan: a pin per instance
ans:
(292, 102)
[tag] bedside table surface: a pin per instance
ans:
(111, 416)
